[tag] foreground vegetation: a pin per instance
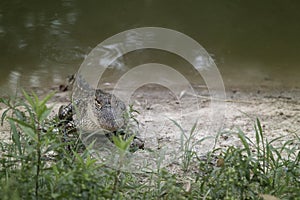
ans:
(39, 163)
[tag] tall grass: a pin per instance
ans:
(36, 164)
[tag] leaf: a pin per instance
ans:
(15, 136)
(243, 139)
(132, 110)
(260, 129)
(122, 144)
(182, 135)
(19, 114)
(90, 161)
(36, 99)
(46, 99)
(20, 122)
(44, 115)
(4, 115)
(193, 128)
(30, 132)
(28, 98)
(5, 101)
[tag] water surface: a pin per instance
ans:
(254, 43)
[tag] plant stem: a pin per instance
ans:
(38, 165)
(116, 182)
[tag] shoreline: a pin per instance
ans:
(277, 110)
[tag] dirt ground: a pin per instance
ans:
(277, 109)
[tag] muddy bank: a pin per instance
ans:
(278, 111)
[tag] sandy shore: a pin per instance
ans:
(278, 111)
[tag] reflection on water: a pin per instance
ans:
(37, 46)
(253, 42)
(14, 80)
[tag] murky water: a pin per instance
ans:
(253, 43)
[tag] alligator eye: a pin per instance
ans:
(98, 104)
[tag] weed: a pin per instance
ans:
(256, 168)
(35, 164)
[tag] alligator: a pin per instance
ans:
(110, 112)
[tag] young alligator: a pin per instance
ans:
(110, 113)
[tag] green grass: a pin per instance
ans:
(37, 163)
